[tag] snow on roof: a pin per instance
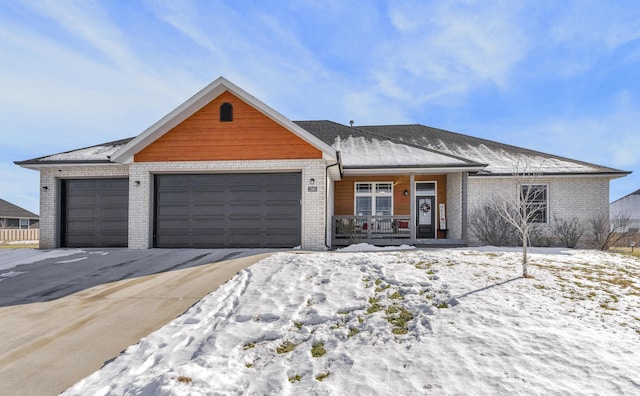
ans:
(396, 146)
(501, 158)
(363, 152)
(98, 153)
(502, 161)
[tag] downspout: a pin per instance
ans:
(326, 197)
(465, 178)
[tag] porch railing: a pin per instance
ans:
(353, 229)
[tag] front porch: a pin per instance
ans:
(384, 231)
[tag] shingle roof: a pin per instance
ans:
(501, 158)
(394, 146)
(11, 211)
(360, 148)
(100, 153)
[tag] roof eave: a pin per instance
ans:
(391, 170)
(611, 175)
(36, 165)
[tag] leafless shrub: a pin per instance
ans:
(539, 237)
(607, 231)
(569, 232)
(490, 228)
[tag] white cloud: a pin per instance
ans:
(610, 139)
(89, 22)
(447, 48)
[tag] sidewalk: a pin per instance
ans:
(47, 347)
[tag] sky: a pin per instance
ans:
(558, 77)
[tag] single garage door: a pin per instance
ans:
(228, 210)
(95, 212)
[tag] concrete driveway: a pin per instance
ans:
(61, 320)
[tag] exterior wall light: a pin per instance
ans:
(312, 181)
(406, 193)
(137, 183)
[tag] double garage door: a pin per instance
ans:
(203, 210)
(228, 210)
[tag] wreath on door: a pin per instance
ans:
(425, 207)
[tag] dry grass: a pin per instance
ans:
(184, 380)
(4, 245)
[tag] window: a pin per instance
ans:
(24, 224)
(534, 200)
(374, 199)
(226, 112)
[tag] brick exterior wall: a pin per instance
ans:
(141, 195)
(50, 198)
(569, 197)
(580, 197)
(313, 202)
(454, 206)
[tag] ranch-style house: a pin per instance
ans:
(226, 170)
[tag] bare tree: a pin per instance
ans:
(4, 223)
(525, 206)
(609, 231)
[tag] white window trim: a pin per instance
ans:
(27, 223)
(547, 201)
(372, 194)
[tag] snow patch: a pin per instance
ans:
(455, 321)
(365, 247)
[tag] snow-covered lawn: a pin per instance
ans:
(399, 323)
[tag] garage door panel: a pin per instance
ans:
(279, 195)
(173, 240)
(207, 210)
(82, 185)
(82, 213)
(114, 212)
(229, 210)
(277, 210)
(174, 224)
(95, 213)
(173, 211)
(207, 225)
(78, 200)
(208, 238)
(240, 195)
(81, 226)
(115, 201)
(112, 226)
(208, 196)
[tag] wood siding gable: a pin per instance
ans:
(251, 135)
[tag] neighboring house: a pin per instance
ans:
(629, 205)
(226, 170)
(12, 216)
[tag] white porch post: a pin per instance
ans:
(412, 211)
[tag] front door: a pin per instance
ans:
(425, 217)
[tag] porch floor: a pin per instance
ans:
(419, 243)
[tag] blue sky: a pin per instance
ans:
(561, 77)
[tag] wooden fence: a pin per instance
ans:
(14, 234)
